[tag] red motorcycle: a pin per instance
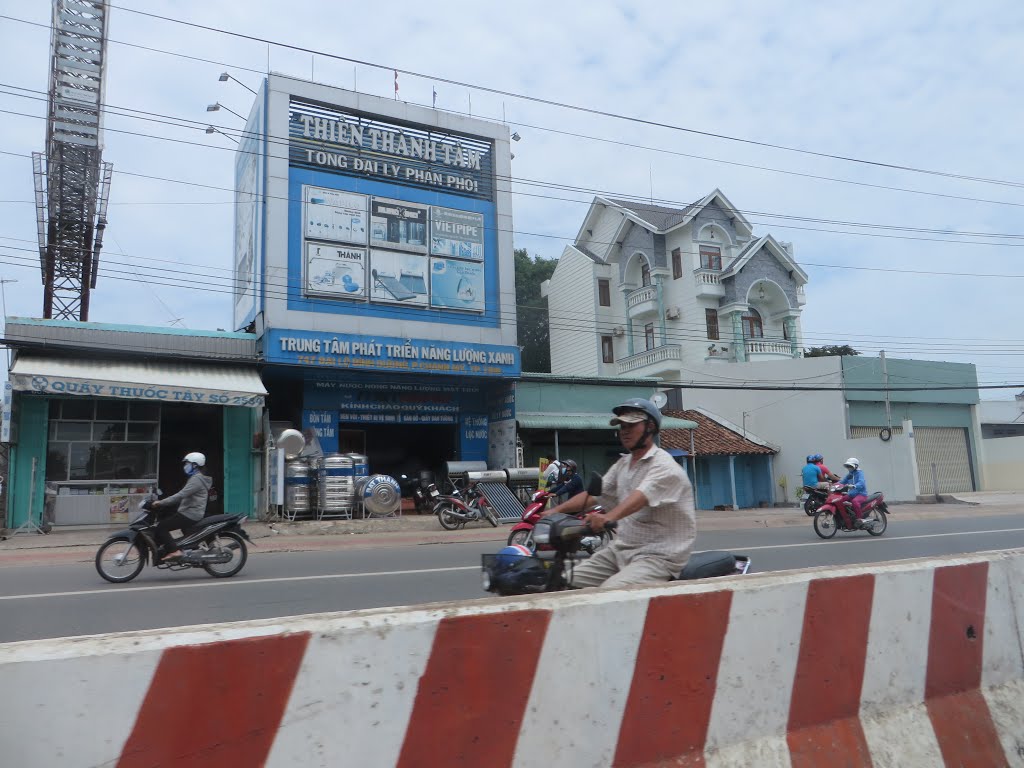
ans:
(837, 514)
(522, 532)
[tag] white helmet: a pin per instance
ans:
(852, 463)
(196, 458)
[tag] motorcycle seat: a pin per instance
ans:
(875, 496)
(703, 565)
(208, 520)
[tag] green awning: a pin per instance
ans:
(585, 421)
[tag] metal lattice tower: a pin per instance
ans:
(72, 181)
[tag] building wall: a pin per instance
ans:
(26, 490)
(572, 301)
(1001, 460)
(601, 240)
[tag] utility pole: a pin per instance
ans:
(885, 383)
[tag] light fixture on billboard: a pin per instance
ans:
(224, 77)
(213, 129)
(516, 136)
(218, 106)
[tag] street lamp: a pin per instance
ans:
(213, 129)
(218, 106)
(224, 77)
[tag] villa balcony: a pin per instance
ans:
(661, 361)
(643, 302)
(709, 283)
(768, 349)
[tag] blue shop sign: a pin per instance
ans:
(387, 353)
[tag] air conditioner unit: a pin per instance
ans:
(672, 313)
(619, 330)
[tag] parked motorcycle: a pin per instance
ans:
(464, 506)
(522, 532)
(516, 571)
(814, 497)
(424, 496)
(836, 514)
(217, 544)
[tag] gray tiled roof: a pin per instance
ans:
(660, 216)
(589, 253)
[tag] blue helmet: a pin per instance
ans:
(510, 555)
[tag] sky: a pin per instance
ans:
(845, 129)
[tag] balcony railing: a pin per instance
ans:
(768, 347)
(707, 276)
(650, 357)
(640, 295)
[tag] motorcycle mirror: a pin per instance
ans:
(594, 484)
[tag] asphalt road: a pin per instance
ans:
(64, 600)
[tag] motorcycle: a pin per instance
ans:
(464, 506)
(814, 497)
(836, 514)
(523, 573)
(522, 532)
(424, 496)
(217, 544)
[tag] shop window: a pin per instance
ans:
(607, 349)
(102, 440)
(710, 257)
(677, 264)
(645, 273)
(649, 336)
(711, 320)
(604, 292)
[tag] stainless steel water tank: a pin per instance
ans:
(336, 487)
(381, 496)
(299, 487)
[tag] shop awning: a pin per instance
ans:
(166, 382)
(586, 421)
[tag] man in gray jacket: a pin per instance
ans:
(185, 507)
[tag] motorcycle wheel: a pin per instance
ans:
(234, 543)
(521, 537)
(120, 560)
(825, 523)
(881, 522)
(447, 521)
(811, 506)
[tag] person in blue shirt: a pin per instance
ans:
(569, 481)
(811, 472)
(856, 487)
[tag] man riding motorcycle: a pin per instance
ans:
(185, 507)
(569, 481)
(856, 488)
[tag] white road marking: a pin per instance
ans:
(113, 589)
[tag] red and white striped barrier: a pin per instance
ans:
(910, 664)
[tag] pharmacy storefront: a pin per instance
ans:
(374, 260)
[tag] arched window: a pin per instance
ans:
(752, 328)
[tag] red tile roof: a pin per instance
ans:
(710, 438)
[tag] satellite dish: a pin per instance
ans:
(660, 399)
(291, 442)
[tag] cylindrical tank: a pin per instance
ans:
(298, 487)
(381, 495)
(360, 464)
(336, 487)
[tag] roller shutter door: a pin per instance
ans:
(947, 449)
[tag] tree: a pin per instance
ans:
(831, 350)
(532, 311)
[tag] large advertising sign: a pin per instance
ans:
(337, 271)
(398, 278)
(459, 234)
(386, 353)
(457, 284)
(249, 217)
(398, 225)
(331, 214)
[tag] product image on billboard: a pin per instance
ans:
(398, 278)
(456, 233)
(333, 215)
(399, 225)
(457, 285)
(336, 271)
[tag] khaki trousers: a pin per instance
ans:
(607, 568)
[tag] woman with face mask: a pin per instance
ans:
(185, 507)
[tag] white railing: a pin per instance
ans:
(768, 346)
(640, 295)
(650, 357)
(707, 276)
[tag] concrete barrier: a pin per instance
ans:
(916, 663)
